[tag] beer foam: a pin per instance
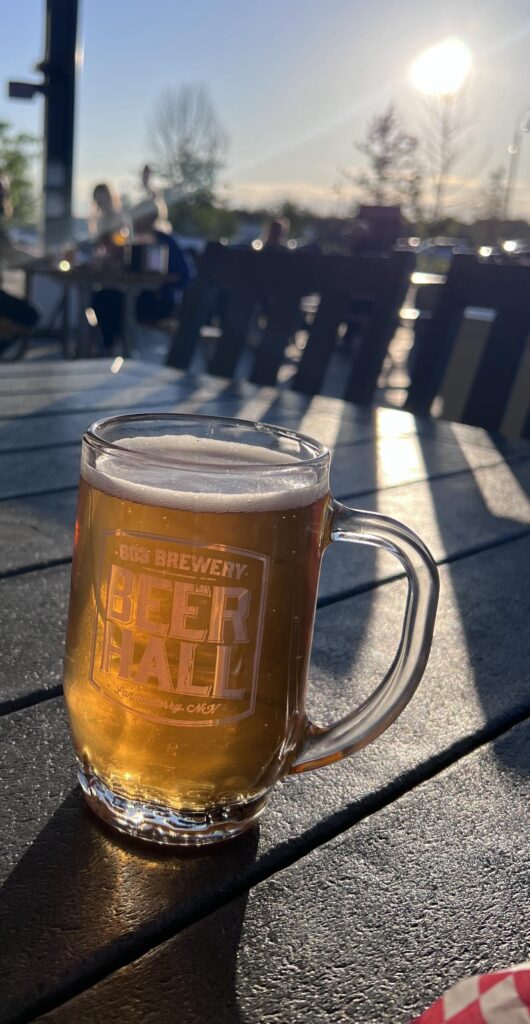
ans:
(185, 476)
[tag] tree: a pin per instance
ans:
(17, 152)
(446, 140)
(188, 140)
(493, 195)
(202, 218)
(490, 224)
(393, 174)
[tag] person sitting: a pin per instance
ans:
(109, 224)
(151, 226)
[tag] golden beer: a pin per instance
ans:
(190, 624)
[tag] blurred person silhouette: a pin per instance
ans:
(17, 316)
(151, 227)
(109, 235)
(360, 239)
(109, 225)
(275, 235)
(147, 182)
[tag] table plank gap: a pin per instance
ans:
(8, 707)
(23, 570)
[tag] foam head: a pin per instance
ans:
(204, 474)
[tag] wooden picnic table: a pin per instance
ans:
(81, 280)
(371, 885)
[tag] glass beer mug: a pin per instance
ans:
(197, 555)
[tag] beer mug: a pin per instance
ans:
(197, 553)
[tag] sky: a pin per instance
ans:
(294, 83)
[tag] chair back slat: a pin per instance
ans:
(332, 310)
(525, 431)
(194, 313)
(433, 357)
(379, 330)
(282, 316)
(237, 315)
(492, 385)
(471, 283)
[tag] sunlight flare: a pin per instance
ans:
(442, 69)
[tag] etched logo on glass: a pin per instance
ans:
(178, 628)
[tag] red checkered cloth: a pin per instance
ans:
(499, 998)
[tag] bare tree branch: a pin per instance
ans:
(493, 195)
(187, 139)
(447, 139)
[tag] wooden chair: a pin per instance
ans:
(279, 280)
(502, 288)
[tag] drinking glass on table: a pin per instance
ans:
(194, 582)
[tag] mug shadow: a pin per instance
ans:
(193, 978)
(346, 565)
(83, 901)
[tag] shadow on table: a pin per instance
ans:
(492, 604)
(192, 979)
(80, 903)
(344, 565)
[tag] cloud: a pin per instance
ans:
(324, 198)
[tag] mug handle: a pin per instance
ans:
(323, 745)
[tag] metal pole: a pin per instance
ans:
(511, 175)
(59, 69)
(521, 127)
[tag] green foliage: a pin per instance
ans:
(17, 152)
(447, 227)
(201, 217)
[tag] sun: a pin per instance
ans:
(442, 69)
